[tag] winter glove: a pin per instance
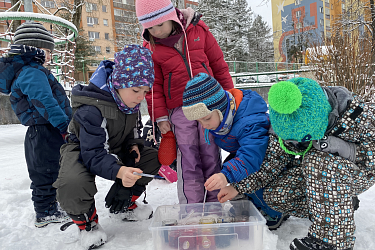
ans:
(118, 198)
(335, 145)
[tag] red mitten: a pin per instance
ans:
(167, 149)
(167, 154)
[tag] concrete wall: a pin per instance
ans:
(7, 115)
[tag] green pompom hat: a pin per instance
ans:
(299, 109)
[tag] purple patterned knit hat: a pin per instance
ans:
(133, 68)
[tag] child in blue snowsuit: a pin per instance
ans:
(239, 122)
(40, 103)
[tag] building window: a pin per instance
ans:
(117, 12)
(92, 20)
(105, 22)
(97, 49)
(321, 10)
(104, 8)
(299, 25)
(106, 36)
(298, 13)
(108, 49)
(297, 2)
(322, 34)
(48, 4)
(90, 7)
(321, 22)
(93, 35)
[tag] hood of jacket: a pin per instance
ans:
(97, 87)
(100, 77)
(10, 65)
(190, 16)
(339, 98)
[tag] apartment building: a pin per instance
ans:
(111, 25)
(108, 24)
(301, 19)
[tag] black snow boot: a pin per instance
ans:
(311, 243)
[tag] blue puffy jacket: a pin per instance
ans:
(248, 141)
(248, 138)
(36, 96)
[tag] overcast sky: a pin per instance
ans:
(262, 9)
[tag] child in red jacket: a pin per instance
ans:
(182, 47)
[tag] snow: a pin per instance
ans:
(17, 230)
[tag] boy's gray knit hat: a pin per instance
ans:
(34, 34)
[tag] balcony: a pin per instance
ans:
(125, 19)
(124, 6)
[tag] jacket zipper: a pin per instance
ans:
(169, 85)
(186, 63)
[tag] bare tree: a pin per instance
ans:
(346, 62)
(359, 17)
(16, 23)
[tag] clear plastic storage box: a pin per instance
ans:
(232, 225)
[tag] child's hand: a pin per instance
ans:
(136, 149)
(127, 176)
(226, 193)
(217, 181)
(164, 126)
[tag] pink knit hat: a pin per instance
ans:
(154, 12)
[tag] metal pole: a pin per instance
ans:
(256, 66)
(28, 5)
(83, 69)
(277, 79)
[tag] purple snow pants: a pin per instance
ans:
(196, 160)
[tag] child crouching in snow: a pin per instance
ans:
(239, 122)
(333, 132)
(103, 133)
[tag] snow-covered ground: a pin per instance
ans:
(17, 230)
